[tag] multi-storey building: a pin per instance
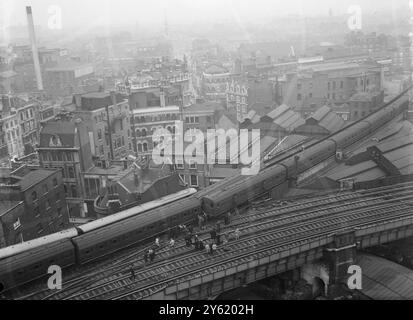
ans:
(214, 83)
(4, 153)
(65, 145)
(29, 129)
(313, 86)
(13, 135)
(243, 93)
(147, 120)
(32, 203)
(106, 117)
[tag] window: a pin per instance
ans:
(71, 172)
(298, 86)
(341, 84)
(45, 188)
(139, 147)
(329, 86)
(299, 97)
(145, 147)
(310, 94)
(179, 164)
(192, 164)
(74, 191)
(34, 196)
(334, 85)
(36, 212)
(194, 180)
(39, 228)
(100, 134)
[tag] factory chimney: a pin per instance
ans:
(34, 48)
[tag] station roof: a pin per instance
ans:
(385, 280)
(395, 141)
(285, 117)
(324, 118)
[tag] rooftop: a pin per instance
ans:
(6, 205)
(58, 134)
(34, 177)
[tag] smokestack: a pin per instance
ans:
(36, 61)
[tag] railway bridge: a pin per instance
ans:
(276, 236)
(335, 243)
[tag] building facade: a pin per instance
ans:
(42, 194)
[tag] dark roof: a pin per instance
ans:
(64, 130)
(6, 205)
(34, 177)
(326, 118)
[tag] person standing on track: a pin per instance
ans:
(207, 248)
(237, 233)
(172, 242)
(214, 248)
(157, 243)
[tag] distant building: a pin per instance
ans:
(65, 145)
(244, 93)
(106, 117)
(67, 77)
(322, 123)
(363, 103)
(29, 126)
(328, 83)
(214, 83)
(32, 204)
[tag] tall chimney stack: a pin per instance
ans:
(34, 48)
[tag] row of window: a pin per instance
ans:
(160, 117)
(45, 189)
(180, 164)
(193, 180)
(57, 156)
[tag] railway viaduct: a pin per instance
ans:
(338, 250)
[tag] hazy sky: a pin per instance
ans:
(90, 13)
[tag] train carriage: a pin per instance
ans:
(141, 228)
(28, 265)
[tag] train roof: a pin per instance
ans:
(99, 223)
(244, 182)
(38, 242)
(49, 250)
(136, 222)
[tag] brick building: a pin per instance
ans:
(33, 203)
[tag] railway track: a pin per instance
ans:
(374, 216)
(291, 227)
(83, 282)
